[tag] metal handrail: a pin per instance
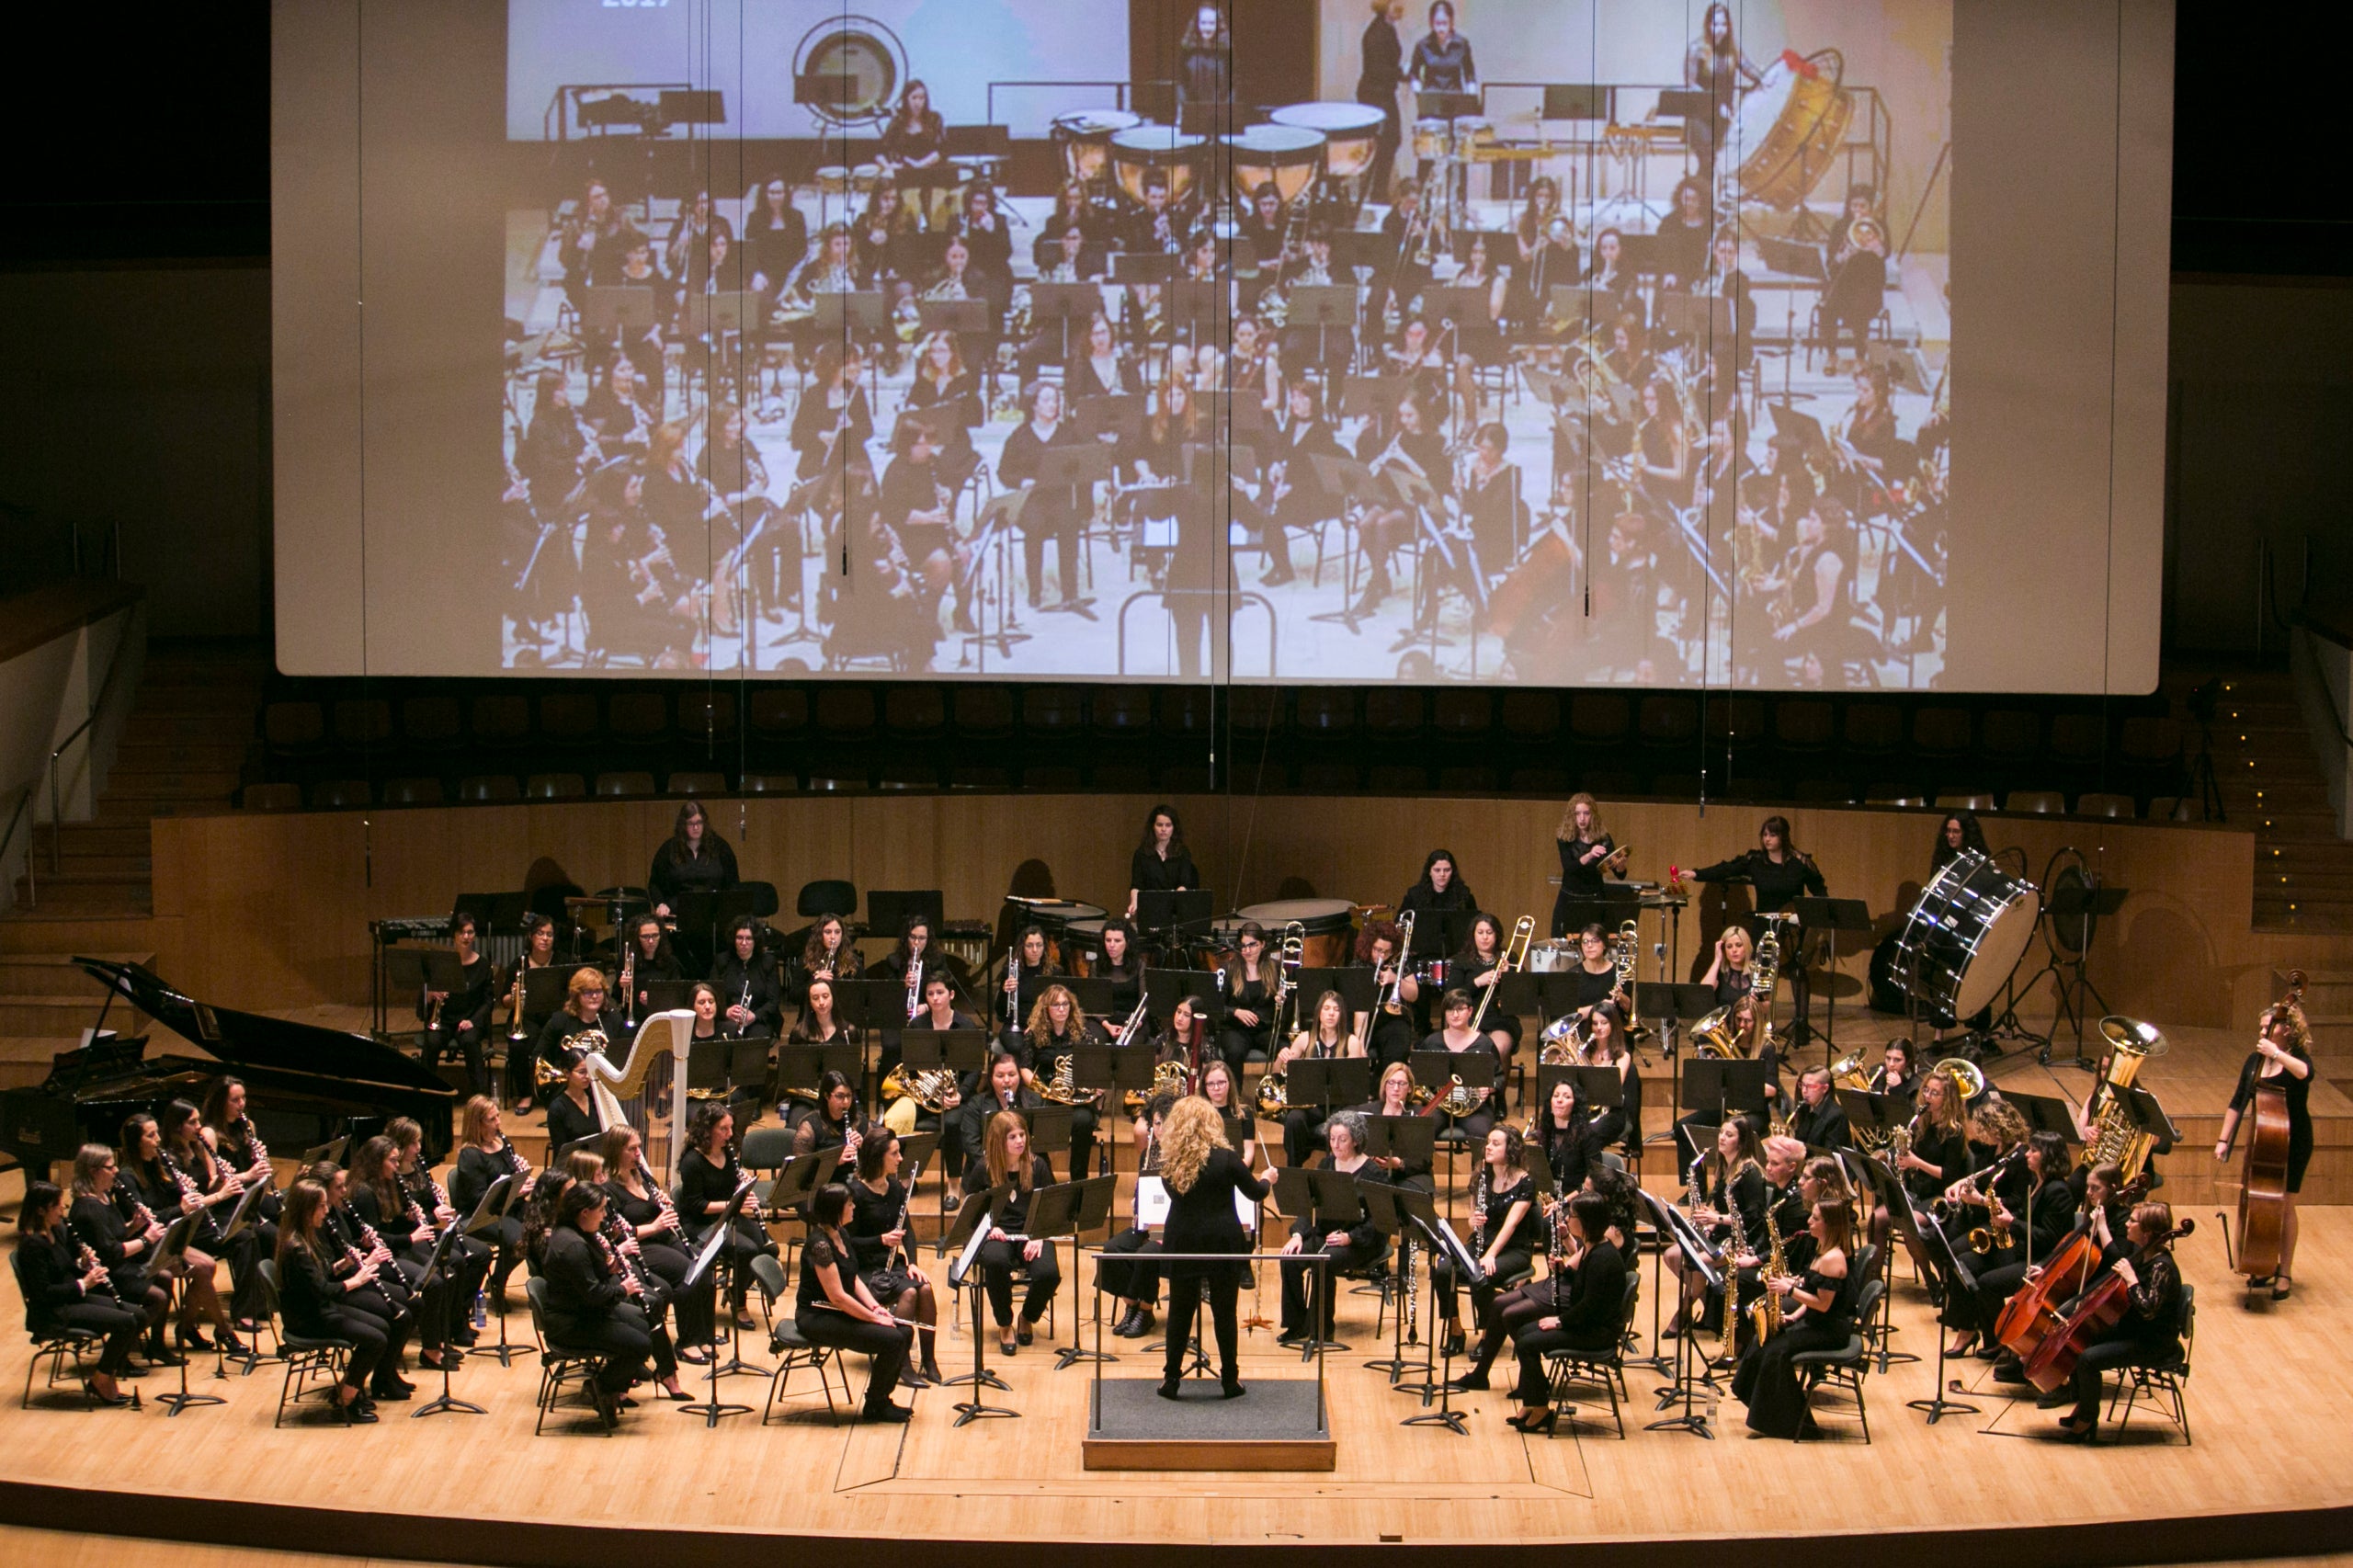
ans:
(56, 812)
(24, 799)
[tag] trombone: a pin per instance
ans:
(1514, 957)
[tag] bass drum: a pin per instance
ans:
(1789, 128)
(1965, 935)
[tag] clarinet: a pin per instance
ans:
(191, 1196)
(915, 986)
(906, 1203)
(662, 1196)
(89, 1260)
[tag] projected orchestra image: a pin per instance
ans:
(1638, 382)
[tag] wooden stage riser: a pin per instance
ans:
(268, 910)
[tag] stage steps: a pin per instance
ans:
(2269, 780)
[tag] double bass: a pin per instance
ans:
(2054, 1362)
(2263, 1175)
(2041, 1305)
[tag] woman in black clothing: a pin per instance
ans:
(591, 1301)
(835, 1309)
(1606, 1045)
(1938, 1155)
(1057, 1025)
(1588, 1319)
(1123, 965)
(1000, 1089)
(584, 1013)
(156, 1181)
(1161, 863)
(817, 1025)
(1006, 1160)
(1441, 892)
(1896, 1077)
(1455, 1036)
(989, 239)
(484, 1156)
(709, 1175)
(1596, 975)
(231, 1132)
(1587, 853)
(67, 1286)
(914, 948)
(378, 1202)
(1729, 974)
(694, 860)
(1995, 1176)
(1202, 1173)
(650, 1219)
(826, 955)
(1821, 1317)
(649, 962)
(908, 1114)
(458, 1022)
(2034, 1233)
(1053, 512)
(107, 1218)
(2150, 1332)
(832, 1123)
(1778, 873)
(222, 1189)
(1346, 1236)
(1504, 1235)
(751, 1000)
(1029, 971)
(1958, 832)
(538, 952)
(1726, 1183)
(1564, 1130)
(940, 379)
(1389, 1032)
(1392, 1096)
(469, 1258)
(1248, 986)
(649, 1290)
(919, 510)
(2282, 1061)
(1478, 968)
(834, 421)
(1205, 60)
(883, 1243)
(318, 1302)
(915, 152)
(574, 1114)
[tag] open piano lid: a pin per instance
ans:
(249, 1039)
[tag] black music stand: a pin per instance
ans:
(172, 1248)
(241, 1219)
(1193, 309)
(1171, 911)
(496, 1200)
(2086, 905)
(805, 1067)
(887, 912)
(1888, 1189)
(1675, 1229)
(1064, 303)
(1165, 987)
(1049, 1126)
(711, 1260)
(1409, 1139)
(438, 1264)
(1949, 1272)
(964, 318)
(1722, 1088)
(1088, 1208)
(2141, 1108)
(1299, 1193)
(1435, 1069)
(969, 1235)
(1851, 916)
(1419, 1209)
(610, 310)
(1092, 991)
(871, 1004)
(1381, 1202)
(1331, 1083)
(1670, 1003)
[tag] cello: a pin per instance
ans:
(2054, 1362)
(2263, 1175)
(2040, 1307)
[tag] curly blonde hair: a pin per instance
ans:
(2001, 1118)
(1568, 831)
(1042, 1023)
(2303, 1043)
(1193, 1127)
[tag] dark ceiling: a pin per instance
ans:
(160, 151)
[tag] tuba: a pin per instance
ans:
(2114, 1139)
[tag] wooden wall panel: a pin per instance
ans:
(271, 911)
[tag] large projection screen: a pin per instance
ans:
(1839, 364)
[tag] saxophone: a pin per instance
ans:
(1764, 1317)
(1734, 1247)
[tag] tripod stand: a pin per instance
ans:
(1688, 1383)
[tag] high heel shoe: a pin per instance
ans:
(1531, 1425)
(110, 1400)
(1451, 1343)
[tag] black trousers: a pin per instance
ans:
(1300, 1279)
(623, 1339)
(375, 1344)
(1187, 1283)
(885, 1345)
(119, 1324)
(1235, 1043)
(464, 1043)
(1512, 1260)
(693, 1309)
(997, 1260)
(1136, 1281)
(1535, 1384)
(2096, 1362)
(744, 1243)
(1302, 1133)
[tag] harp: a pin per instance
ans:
(648, 1090)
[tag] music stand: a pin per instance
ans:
(965, 318)
(1419, 1209)
(1723, 1089)
(1949, 1272)
(1358, 988)
(1670, 1223)
(838, 316)
(170, 1249)
(1672, 1003)
(1300, 1195)
(1193, 308)
(711, 1260)
(438, 1263)
(1172, 910)
(969, 1236)
(1089, 1208)
(612, 310)
(1381, 1204)
(1331, 1083)
(1888, 1192)
(1832, 915)
(887, 911)
(2046, 1113)
(496, 1200)
(1049, 1126)
(2142, 1108)
(1134, 267)
(2084, 904)
(1409, 1139)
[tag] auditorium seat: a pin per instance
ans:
(2150, 739)
(1965, 802)
(294, 729)
(1397, 779)
(1253, 711)
(1804, 725)
(2036, 802)
(1532, 715)
(1940, 734)
(1186, 779)
(1538, 782)
(623, 785)
(706, 715)
(1669, 720)
(846, 711)
(432, 723)
(487, 789)
(978, 777)
(2171, 808)
(2078, 739)
(413, 792)
(1734, 721)
(1676, 786)
(915, 713)
(553, 787)
(1186, 713)
(2100, 804)
(1121, 712)
(363, 721)
(771, 784)
(342, 795)
(1466, 780)
(697, 785)
(271, 797)
(1823, 793)
(1606, 785)
(2010, 735)
(778, 712)
(1123, 778)
(1327, 712)
(1599, 718)
(1892, 795)
(1457, 715)
(1053, 777)
(984, 712)
(638, 718)
(1873, 729)
(1053, 711)
(1328, 779)
(499, 720)
(837, 784)
(1395, 713)
(568, 718)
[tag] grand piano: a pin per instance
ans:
(308, 1084)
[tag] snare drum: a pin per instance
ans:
(1329, 924)
(1351, 134)
(1085, 137)
(1965, 935)
(1285, 157)
(833, 179)
(1140, 149)
(1431, 973)
(1433, 138)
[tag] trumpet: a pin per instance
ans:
(516, 1033)
(629, 983)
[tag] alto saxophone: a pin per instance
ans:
(1764, 1317)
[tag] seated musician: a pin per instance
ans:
(2149, 1334)
(1158, 227)
(1417, 449)
(1606, 1045)
(2101, 1219)
(1492, 510)
(1821, 1317)
(1058, 1024)
(229, 1130)
(1726, 1187)
(1994, 1171)
(1455, 1036)
(1326, 1037)
(1895, 1077)
(1791, 1189)
(884, 1245)
(827, 955)
(1137, 1284)
(1587, 1317)
(709, 1175)
(221, 1187)
(1008, 1161)
(834, 421)
(574, 1113)
(1478, 968)
(642, 1213)
(1294, 497)
(583, 1014)
(1564, 1128)
(320, 1299)
(1937, 1152)
(2021, 1235)
(832, 1123)
(469, 1258)
(746, 982)
(817, 1023)
(104, 1215)
(593, 1302)
(941, 379)
(1248, 985)
(1002, 1088)
(1504, 1238)
(1330, 348)
(989, 239)
(68, 1289)
(1393, 1096)
(907, 1114)
(378, 1202)
(1263, 239)
(651, 963)
(524, 1027)
(457, 1023)
(1098, 368)
(156, 1181)
(484, 1156)
(836, 1309)
(919, 508)
(1345, 1235)
(1819, 1121)
(1388, 1032)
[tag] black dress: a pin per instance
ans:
(475, 1171)
(2297, 1092)
(821, 1323)
(1767, 1380)
(1201, 1219)
(1774, 884)
(1580, 882)
(315, 1303)
(1513, 1258)
(664, 1255)
(702, 1183)
(464, 1027)
(50, 1266)
(872, 1216)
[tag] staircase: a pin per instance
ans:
(190, 725)
(2272, 782)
